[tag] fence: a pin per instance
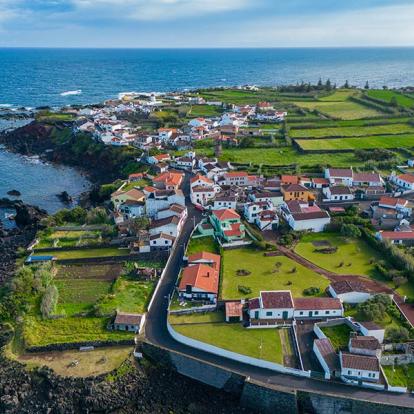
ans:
(235, 356)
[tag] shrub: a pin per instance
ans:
(49, 301)
(375, 308)
(311, 291)
(395, 334)
(350, 230)
(242, 272)
(245, 290)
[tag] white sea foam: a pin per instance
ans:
(69, 93)
(6, 105)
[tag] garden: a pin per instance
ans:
(400, 375)
(248, 271)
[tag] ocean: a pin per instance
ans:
(56, 77)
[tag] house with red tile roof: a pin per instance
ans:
(169, 180)
(200, 279)
(227, 225)
(359, 367)
(405, 181)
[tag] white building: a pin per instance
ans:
(161, 199)
(338, 193)
(161, 241)
(405, 181)
(225, 201)
(339, 176)
(359, 367)
(370, 328)
(349, 291)
(326, 355)
(171, 225)
(252, 210)
(267, 220)
(317, 308)
(272, 305)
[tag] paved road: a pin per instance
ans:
(156, 332)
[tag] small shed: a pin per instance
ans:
(234, 312)
(132, 322)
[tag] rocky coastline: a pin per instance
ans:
(27, 220)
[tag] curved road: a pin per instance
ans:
(156, 332)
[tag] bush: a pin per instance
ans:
(375, 308)
(49, 301)
(311, 291)
(350, 230)
(394, 334)
(245, 290)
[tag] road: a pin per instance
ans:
(156, 332)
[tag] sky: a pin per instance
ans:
(206, 23)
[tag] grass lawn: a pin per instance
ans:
(91, 363)
(202, 244)
(77, 295)
(354, 253)
(262, 276)
(342, 109)
(400, 375)
(140, 184)
(82, 254)
(340, 95)
(257, 343)
(205, 317)
(338, 335)
(388, 95)
(127, 296)
(38, 332)
(367, 142)
(352, 131)
(204, 110)
(241, 97)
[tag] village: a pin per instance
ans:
(302, 273)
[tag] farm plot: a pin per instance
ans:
(342, 110)
(339, 95)
(379, 141)
(86, 253)
(387, 96)
(352, 131)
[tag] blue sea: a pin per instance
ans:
(56, 77)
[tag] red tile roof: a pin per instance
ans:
(202, 178)
(340, 172)
(360, 362)
(407, 178)
(397, 235)
(234, 309)
(317, 303)
(200, 276)
(206, 256)
(391, 201)
(234, 231)
(365, 342)
(347, 286)
(277, 299)
(226, 214)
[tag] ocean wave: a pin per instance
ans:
(6, 105)
(69, 93)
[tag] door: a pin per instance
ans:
(310, 314)
(256, 315)
(285, 315)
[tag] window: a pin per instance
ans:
(269, 313)
(316, 312)
(166, 242)
(301, 313)
(327, 312)
(349, 372)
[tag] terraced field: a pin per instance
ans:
(353, 131)
(381, 141)
(341, 109)
(387, 96)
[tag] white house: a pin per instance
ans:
(397, 237)
(197, 122)
(201, 195)
(155, 159)
(131, 322)
(161, 241)
(313, 221)
(370, 328)
(173, 210)
(171, 225)
(160, 199)
(369, 179)
(338, 193)
(339, 176)
(267, 220)
(224, 201)
(359, 367)
(326, 355)
(317, 308)
(364, 345)
(275, 197)
(405, 181)
(252, 210)
(272, 306)
(132, 209)
(349, 291)
(399, 204)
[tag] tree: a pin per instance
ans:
(97, 215)
(366, 85)
(139, 223)
(397, 334)
(320, 84)
(375, 308)
(346, 85)
(328, 85)
(350, 230)
(394, 102)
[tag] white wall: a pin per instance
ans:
(317, 313)
(235, 356)
(276, 313)
(315, 225)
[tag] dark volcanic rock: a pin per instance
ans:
(14, 193)
(64, 197)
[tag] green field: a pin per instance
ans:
(210, 317)
(352, 131)
(257, 343)
(126, 296)
(327, 123)
(77, 295)
(400, 375)
(204, 110)
(263, 275)
(85, 253)
(338, 335)
(202, 244)
(381, 141)
(339, 95)
(356, 257)
(342, 110)
(386, 95)
(38, 332)
(241, 97)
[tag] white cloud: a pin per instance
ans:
(380, 26)
(148, 10)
